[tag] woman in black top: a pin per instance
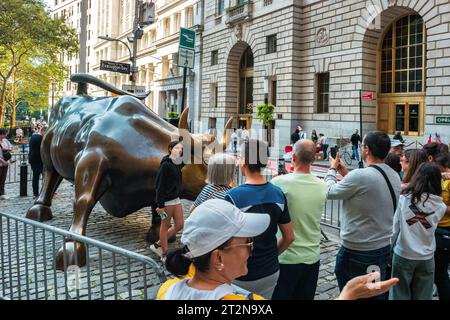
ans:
(168, 191)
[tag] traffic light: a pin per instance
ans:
(147, 13)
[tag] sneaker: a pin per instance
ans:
(4, 197)
(156, 249)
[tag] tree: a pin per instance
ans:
(33, 82)
(264, 112)
(29, 35)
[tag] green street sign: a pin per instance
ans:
(186, 51)
(443, 120)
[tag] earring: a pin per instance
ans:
(221, 267)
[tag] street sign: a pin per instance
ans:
(443, 120)
(129, 88)
(367, 95)
(186, 50)
(115, 66)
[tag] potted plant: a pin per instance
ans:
(265, 113)
(172, 118)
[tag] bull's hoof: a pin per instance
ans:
(40, 213)
(153, 235)
(71, 258)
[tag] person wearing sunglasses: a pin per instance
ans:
(217, 242)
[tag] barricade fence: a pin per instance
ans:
(28, 267)
(13, 174)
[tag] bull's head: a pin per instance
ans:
(202, 147)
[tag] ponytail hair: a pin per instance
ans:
(177, 263)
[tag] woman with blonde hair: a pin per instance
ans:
(221, 173)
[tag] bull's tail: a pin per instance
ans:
(83, 79)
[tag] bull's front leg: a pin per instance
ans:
(41, 211)
(89, 187)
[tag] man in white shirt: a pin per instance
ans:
(234, 140)
(245, 135)
(323, 141)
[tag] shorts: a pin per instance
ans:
(173, 202)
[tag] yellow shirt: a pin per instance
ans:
(169, 283)
(445, 221)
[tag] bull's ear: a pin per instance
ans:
(183, 123)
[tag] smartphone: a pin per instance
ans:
(163, 215)
(281, 167)
(333, 152)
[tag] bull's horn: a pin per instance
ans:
(226, 135)
(183, 123)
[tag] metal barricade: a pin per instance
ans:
(331, 216)
(13, 174)
(28, 268)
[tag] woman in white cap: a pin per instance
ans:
(217, 240)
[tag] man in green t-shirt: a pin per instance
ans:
(306, 195)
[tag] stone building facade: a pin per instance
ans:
(157, 53)
(313, 59)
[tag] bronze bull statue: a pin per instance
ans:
(110, 149)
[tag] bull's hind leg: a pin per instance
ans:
(41, 211)
(89, 187)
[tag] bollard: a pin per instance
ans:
(23, 179)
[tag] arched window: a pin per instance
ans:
(403, 57)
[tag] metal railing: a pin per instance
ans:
(28, 268)
(13, 175)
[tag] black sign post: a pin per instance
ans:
(361, 163)
(115, 66)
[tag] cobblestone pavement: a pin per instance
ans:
(128, 233)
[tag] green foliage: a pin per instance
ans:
(171, 115)
(31, 47)
(264, 112)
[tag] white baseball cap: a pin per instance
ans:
(214, 222)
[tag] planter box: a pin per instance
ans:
(173, 121)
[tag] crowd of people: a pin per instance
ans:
(34, 157)
(262, 239)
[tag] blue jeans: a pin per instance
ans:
(325, 148)
(355, 154)
(37, 171)
(352, 263)
(416, 279)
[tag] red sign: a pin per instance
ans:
(367, 95)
